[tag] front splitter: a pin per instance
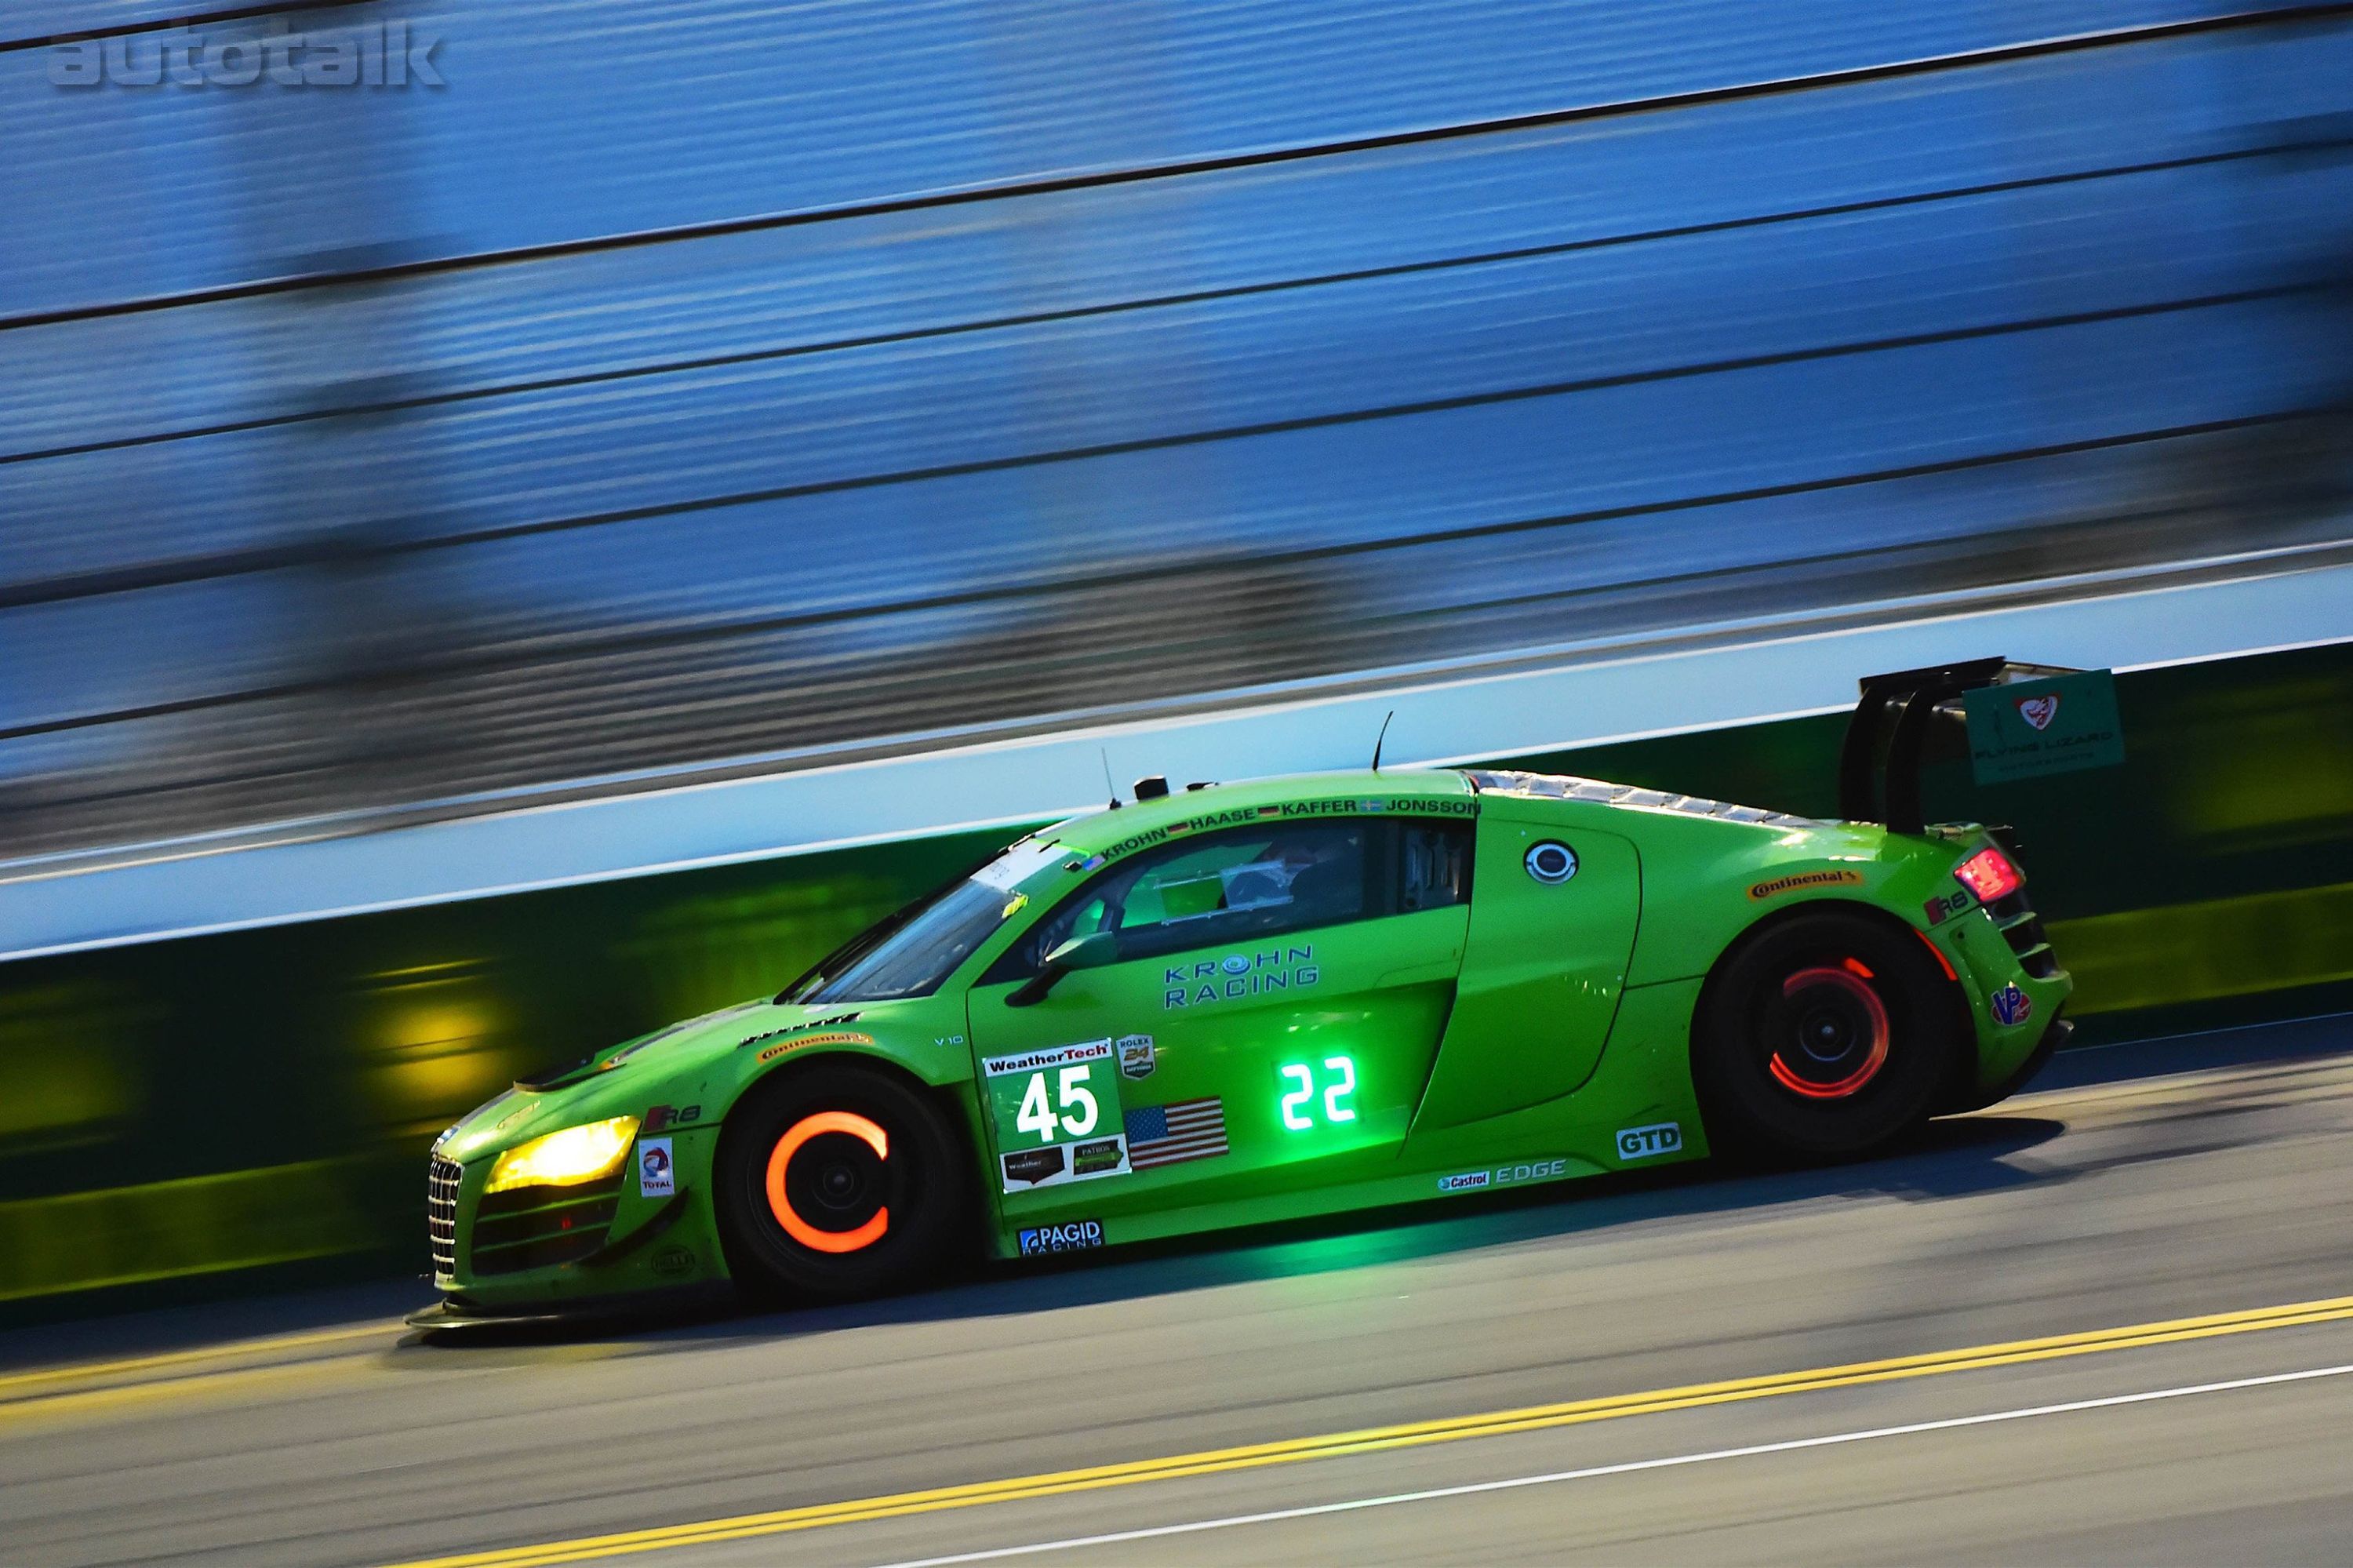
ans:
(448, 1317)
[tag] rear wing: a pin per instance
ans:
(1897, 719)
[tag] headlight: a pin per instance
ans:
(565, 1158)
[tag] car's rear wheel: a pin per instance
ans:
(836, 1181)
(1823, 1036)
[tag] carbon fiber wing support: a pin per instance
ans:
(1896, 717)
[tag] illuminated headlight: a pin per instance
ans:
(565, 1158)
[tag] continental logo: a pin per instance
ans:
(838, 1037)
(1802, 880)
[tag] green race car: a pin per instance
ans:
(1247, 1002)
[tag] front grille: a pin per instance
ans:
(533, 1227)
(441, 1180)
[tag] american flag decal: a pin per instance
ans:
(1165, 1135)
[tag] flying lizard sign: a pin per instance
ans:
(2054, 725)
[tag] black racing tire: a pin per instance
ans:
(835, 1181)
(1825, 1035)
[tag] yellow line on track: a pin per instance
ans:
(1411, 1435)
(12, 1382)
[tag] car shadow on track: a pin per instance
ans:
(1948, 1158)
(1951, 1158)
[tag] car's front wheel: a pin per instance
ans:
(1826, 1035)
(837, 1181)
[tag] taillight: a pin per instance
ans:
(1990, 874)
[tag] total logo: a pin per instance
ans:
(1646, 1142)
(655, 1175)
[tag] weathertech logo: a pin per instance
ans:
(1040, 1061)
(1806, 879)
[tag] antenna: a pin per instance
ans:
(1381, 738)
(1107, 783)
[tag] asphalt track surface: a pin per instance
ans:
(2109, 1321)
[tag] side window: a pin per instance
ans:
(1435, 866)
(1228, 888)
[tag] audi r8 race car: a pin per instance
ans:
(1236, 1003)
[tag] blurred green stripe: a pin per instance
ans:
(2197, 952)
(171, 1230)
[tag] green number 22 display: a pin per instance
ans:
(1300, 1084)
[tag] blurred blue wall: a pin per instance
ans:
(1733, 305)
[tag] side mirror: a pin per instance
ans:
(1090, 951)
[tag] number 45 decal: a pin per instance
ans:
(1036, 1115)
(1298, 1101)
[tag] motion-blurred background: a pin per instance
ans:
(675, 385)
(667, 392)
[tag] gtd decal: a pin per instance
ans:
(1642, 1143)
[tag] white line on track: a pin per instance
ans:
(1630, 1467)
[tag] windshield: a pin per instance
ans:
(911, 952)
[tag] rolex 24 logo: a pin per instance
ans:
(2038, 710)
